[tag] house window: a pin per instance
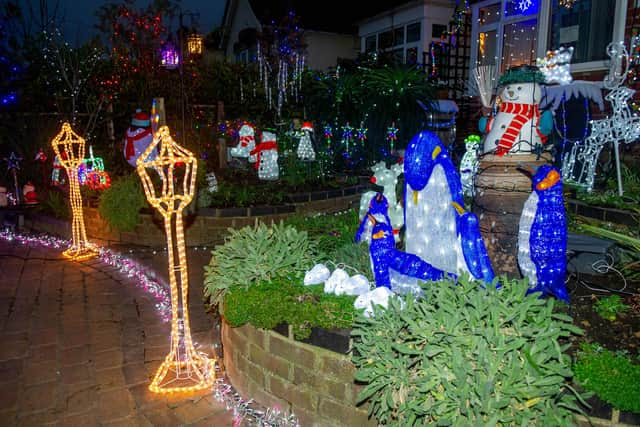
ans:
(586, 26)
(385, 40)
(506, 33)
(519, 43)
(398, 36)
(510, 33)
(437, 30)
(370, 43)
(413, 32)
(412, 55)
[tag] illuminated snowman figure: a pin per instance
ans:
(265, 156)
(246, 144)
(469, 164)
(518, 127)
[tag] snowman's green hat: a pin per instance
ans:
(522, 74)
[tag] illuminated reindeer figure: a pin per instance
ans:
(622, 126)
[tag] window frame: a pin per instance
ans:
(544, 21)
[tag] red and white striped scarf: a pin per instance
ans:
(523, 113)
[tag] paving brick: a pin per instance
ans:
(43, 353)
(191, 412)
(8, 396)
(114, 404)
(110, 378)
(39, 397)
(41, 418)
(86, 419)
(107, 359)
(75, 373)
(10, 370)
(135, 373)
(75, 355)
(36, 373)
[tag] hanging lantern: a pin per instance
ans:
(169, 56)
(194, 44)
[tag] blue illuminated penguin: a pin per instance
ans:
(382, 248)
(438, 229)
(542, 234)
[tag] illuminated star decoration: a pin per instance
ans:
(361, 133)
(392, 134)
(347, 134)
(328, 133)
(13, 162)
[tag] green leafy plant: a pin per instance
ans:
(355, 255)
(120, 204)
(285, 299)
(466, 354)
(256, 254)
(612, 376)
(328, 231)
(609, 307)
(56, 204)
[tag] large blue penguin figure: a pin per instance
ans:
(438, 229)
(382, 248)
(542, 235)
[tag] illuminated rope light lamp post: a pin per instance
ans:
(184, 369)
(69, 147)
(194, 44)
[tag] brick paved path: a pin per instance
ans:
(79, 344)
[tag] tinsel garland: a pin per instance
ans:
(243, 410)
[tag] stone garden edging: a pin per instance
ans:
(206, 227)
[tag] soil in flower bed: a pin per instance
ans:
(621, 334)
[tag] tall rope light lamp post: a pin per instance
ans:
(69, 147)
(184, 369)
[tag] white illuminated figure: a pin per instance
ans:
(265, 156)
(438, 229)
(556, 66)
(246, 143)
(469, 165)
(305, 147)
(519, 126)
(387, 178)
(622, 126)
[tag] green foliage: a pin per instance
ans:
(466, 355)
(328, 231)
(614, 377)
(610, 197)
(231, 194)
(354, 255)
(56, 204)
(609, 307)
(267, 304)
(256, 254)
(120, 204)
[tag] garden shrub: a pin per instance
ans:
(466, 355)
(285, 299)
(612, 376)
(120, 204)
(328, 231)
(609, 307)
(56, 204)
(256, 254)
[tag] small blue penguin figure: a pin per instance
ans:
(384, 255)
(542, 235)
(437, 227)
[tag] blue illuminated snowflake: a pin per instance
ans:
(524, 5)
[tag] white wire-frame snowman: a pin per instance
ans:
(623, 126)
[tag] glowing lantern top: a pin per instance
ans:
(169, 56)
(173, 163)
(69, 147)
(194, 44)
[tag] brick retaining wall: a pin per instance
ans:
(314, 383)
(207, 228)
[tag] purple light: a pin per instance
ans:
(169, 56)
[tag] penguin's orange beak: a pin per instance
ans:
(436, 152)
(549, 181)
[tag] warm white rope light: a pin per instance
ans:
(69, 148)
(184, 369)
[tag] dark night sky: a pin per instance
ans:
(79, 15)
